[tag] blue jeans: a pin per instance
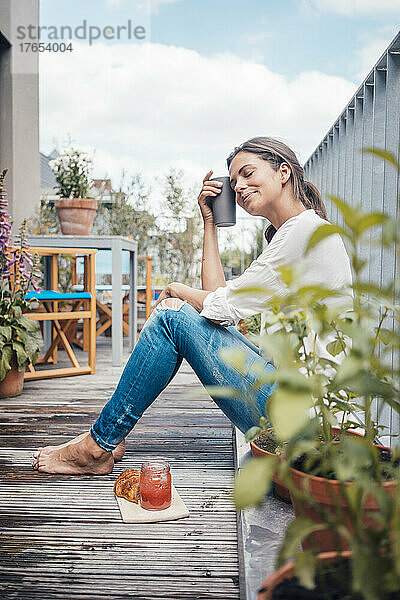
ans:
(170, 335)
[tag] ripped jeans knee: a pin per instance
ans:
(173, 303)
(168, 303)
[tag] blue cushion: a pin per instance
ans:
(51, 295)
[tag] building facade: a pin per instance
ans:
(338, 167)
(19, 110)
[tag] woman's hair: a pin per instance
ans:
(276, 153)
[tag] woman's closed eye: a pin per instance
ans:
(246, 175)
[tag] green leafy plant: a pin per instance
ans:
(319, 401)
(18, 269)
(129, 214)
(179, 245)
(250, 327)
(45, 220)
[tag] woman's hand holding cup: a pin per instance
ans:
(210, 188)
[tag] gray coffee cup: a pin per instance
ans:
(223, 205)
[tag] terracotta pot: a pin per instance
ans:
(13, 382)
(280, 489)
(76, 215)
(327, 493)
(287, 572)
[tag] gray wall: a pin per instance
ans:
(19, 110)
(337, 166)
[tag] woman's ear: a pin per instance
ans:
(284, 172)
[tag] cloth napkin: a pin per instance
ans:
(134, 513)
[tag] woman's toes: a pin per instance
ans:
(36, 456)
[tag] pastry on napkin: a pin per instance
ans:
(127, 485)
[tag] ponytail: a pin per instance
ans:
(311, 198)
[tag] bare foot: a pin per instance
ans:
(82, 457)
(74, 440)
(117, 453)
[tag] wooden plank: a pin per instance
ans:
(48, 251)
(92, 322)
(66, 344)
(54, 287)
(82, 314)
(51, 373)
(62, 537)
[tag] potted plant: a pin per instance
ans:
(75, 210)
(19, 342)
(344, 485)
(331, 580)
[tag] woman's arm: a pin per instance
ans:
(193, 296)
(212, 273)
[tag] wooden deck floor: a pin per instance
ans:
(62, 537)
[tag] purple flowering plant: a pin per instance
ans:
(19, 339)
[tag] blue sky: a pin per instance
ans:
(212, 74)
(285, 35)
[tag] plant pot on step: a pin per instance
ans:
(76, 215)
(13, 383)
(266, 591)
(328, 495)
(280, 489)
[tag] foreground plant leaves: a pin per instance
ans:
(296, 532)
(304, 568)
(288, 412)
(253, 481)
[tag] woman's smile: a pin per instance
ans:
(246, 196)
(261, 189)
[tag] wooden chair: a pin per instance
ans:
(83, 307)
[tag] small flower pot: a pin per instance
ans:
(76, 215)
(13, 382)
(280, 489)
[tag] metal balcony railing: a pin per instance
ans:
(338, 167)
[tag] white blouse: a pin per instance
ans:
(326, 264)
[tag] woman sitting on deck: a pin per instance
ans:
(196, 324)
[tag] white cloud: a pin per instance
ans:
(355, 7)
(146, 107)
